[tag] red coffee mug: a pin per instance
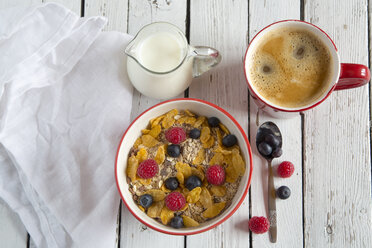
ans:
(345, 76)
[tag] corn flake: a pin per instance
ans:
(145, 181)
(142, 209)
(132, 168)
(197, 172)
(189, 222)
(194, 195)
(185, 192)
(185, 169)
(180, 177)
(137, 142)
(160, 155)
(169, 120)
(199, 121)
(217, 158)
(199, 157)
(231, 174)
(157, 194)
(189, 113)
(155, 209)
(156, 121)
(205, 198)
(155, 131)
(184, 207)
(219, 137)
(224, 128)
(209, 143)
(214, 210)
(205, 134)
(166, 215)
(181, 120)
(141, 155)
(222, 150)
(148, 140)
(238, 162)
(190, 120)
(163, 188)
(218, 190)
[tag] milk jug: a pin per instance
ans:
(161, 63)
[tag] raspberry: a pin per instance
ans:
(259, 225)
(147, 169)
(175, 201)
(215, 175)
(175, 135)
(285, 169)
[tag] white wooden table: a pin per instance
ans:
(330, 205)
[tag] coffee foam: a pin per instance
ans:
(291, 67)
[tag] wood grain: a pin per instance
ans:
(12, 3)
(337, 152)
(142, 12)
(223, 25)
(289, 212)
(116, 12)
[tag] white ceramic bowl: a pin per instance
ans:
(199, 107)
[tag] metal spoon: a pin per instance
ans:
(269, 128)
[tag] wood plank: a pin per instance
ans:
(289, 212)
(337, 156)
(74, 5)
(12, 3)
(142, 12)
(116, 12)
(224, 26)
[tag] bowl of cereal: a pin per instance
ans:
(183, 166)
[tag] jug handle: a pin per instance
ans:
(205, 58)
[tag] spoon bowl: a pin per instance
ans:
(265, 130)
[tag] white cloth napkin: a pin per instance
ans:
(65, 101)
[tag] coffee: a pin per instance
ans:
(290, 67)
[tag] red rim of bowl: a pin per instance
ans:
(245, 190)
(265, 102)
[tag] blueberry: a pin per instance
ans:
(229, 140)
(194, 133)
(272, 140)
(174, 150)
(176, 222)
(145, 200)
(193, 182)
(283, 192)
(171, 183)
(213, 121)
(265, 148)
(277, 152)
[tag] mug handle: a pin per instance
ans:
(352, 76)
(205, 58)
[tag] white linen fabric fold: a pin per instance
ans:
(65, 101)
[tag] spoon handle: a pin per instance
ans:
(272, 205)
